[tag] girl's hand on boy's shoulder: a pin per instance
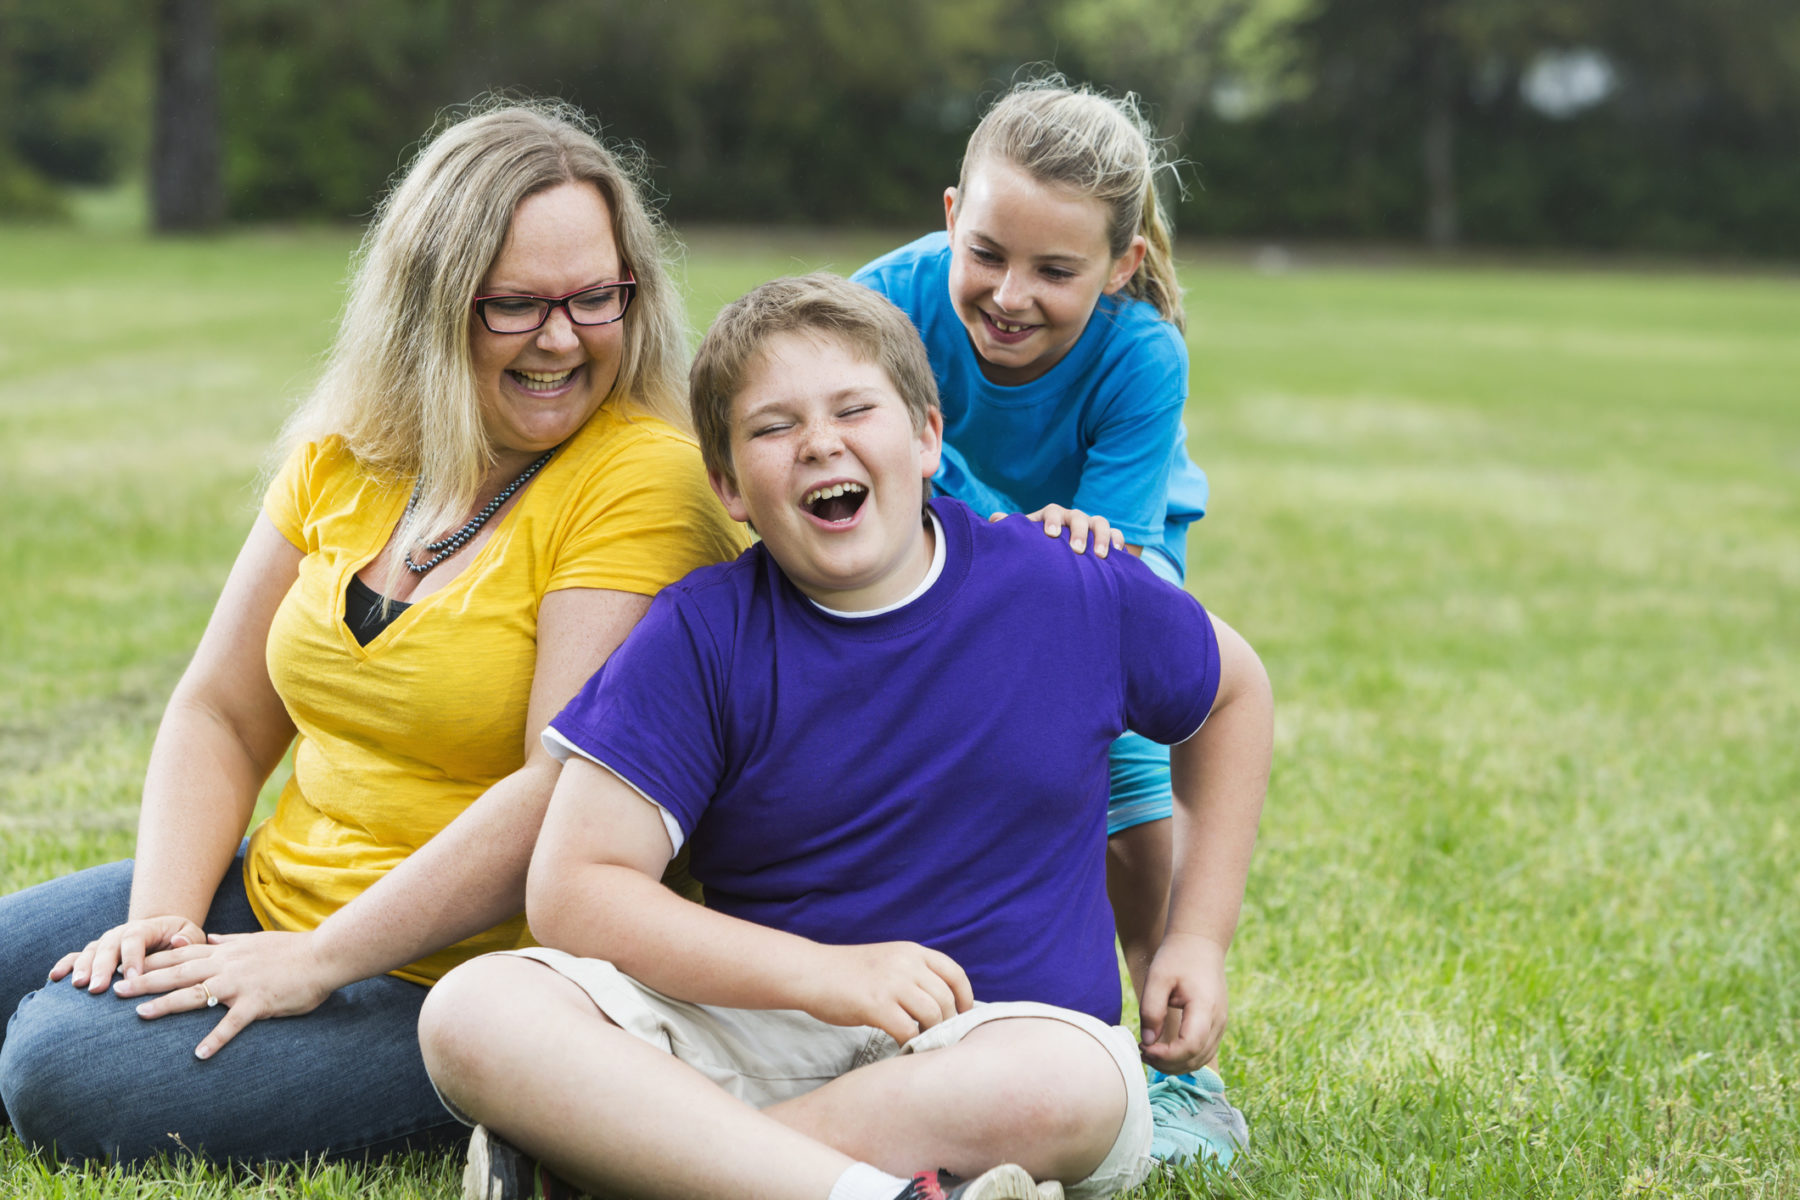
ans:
(901, 988)
(1054, 516)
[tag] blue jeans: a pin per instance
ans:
(87, 1077)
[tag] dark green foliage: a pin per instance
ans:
(73, 82)
(842, 111)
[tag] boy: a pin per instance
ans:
(906, 961)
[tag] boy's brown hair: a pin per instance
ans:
(862, 320)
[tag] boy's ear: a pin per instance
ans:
(1126, 265)
(727, 491)
(950, 209)
(931, 442)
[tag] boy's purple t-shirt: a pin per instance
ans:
(935, 774)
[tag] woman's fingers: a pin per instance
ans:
(101, 966)
(204, 994)
(131, 954)
(236, 1019)
(167, 971)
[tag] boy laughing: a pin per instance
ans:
(903, 983)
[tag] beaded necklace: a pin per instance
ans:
(444, 547)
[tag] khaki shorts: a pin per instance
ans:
(765, 1056)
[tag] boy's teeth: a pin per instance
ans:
(826, 493)
(1003, 327)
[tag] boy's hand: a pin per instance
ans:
(900, 988)
(1054, 516)
(1183, 1010)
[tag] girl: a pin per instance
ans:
(1052, 314)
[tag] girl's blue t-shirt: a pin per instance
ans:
(1100, 431)
(936, 773)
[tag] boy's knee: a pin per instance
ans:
(464, 1012)
(454, 1009)
(1063, 1086)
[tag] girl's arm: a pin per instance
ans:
(956, 480)
(223, 732)
(467, 879)
(1219, 776)
(1133, 428)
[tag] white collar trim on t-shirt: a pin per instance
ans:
(931, 577)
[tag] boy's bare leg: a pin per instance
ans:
(1033, 1091)
(1139, 871)
(525, 1052)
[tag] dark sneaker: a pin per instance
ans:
(1004, 1182)
(499, 1170)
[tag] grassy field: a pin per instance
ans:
(1521, 549)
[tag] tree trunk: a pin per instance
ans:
(186, 190)
(1439, 143)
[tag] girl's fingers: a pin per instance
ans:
(1103, 536)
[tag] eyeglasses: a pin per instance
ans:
(586, 306)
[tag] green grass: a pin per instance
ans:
(1520, 548)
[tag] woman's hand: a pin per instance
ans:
(253, 975)
(1054, 516)
(124, 946)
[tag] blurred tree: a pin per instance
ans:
(1323, 118)
(1187, 56)
(72, 79)
(1391, 65)
(186, 192)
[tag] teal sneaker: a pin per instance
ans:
(1193, 1119)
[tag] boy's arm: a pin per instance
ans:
(1219, 777)
(593, 890)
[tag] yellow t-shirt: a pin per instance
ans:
(396, 738)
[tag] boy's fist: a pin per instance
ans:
(900, 988)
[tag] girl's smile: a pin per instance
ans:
(1028, 263)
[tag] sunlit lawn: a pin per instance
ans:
(1520, 548)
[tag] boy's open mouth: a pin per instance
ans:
(836, 502)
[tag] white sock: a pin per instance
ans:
(860, 1181)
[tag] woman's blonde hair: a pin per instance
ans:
(399, 386)
(1094, 145)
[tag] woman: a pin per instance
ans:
(482, 495)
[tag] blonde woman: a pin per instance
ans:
(477, 503)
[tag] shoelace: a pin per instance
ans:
(929, 1185)
(1175, 1096)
